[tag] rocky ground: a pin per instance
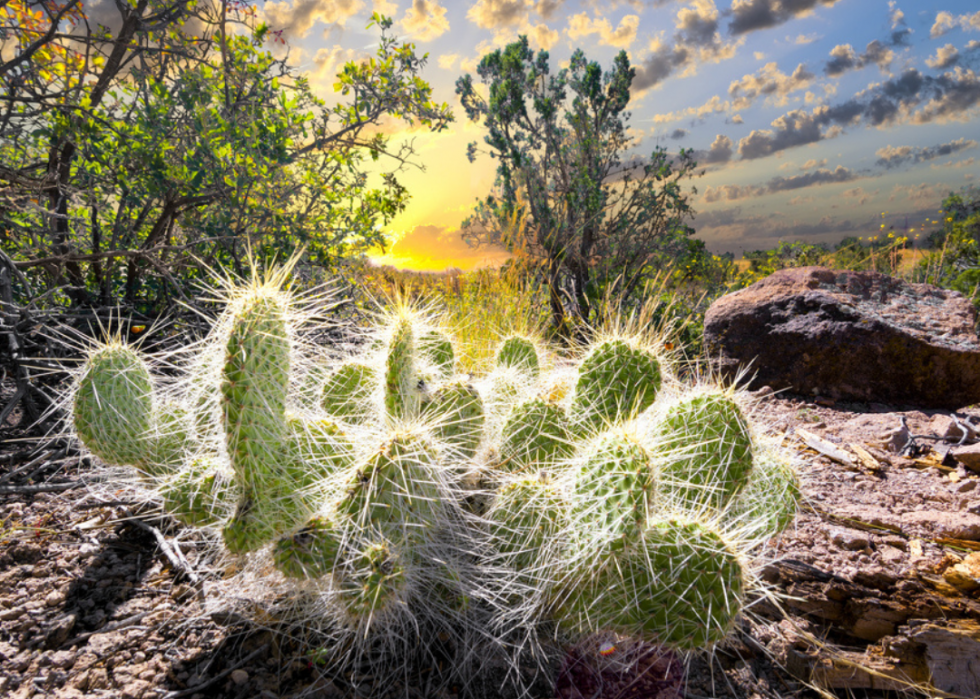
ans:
(102, 598)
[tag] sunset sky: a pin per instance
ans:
(813, 117)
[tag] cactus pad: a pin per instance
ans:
(312, 552)
(535, 436)
(401, 376)
(437, 351)
(520, 353)
(113, 409)
(456, 411)
(615, 382)
(708, 448)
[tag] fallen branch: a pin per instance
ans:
(108, 628)
(41, 488)
(175, 561)
(217, 678)
(824, 447)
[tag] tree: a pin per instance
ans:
(567, 196)
(129, 153)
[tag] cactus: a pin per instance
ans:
(616, 380)
(535, 436)
(520, 353)
(610, 505)
(401, 374)
(456, 411)
(708, 450)
(347, 393)
(437, 350)
(114, 415)
(614, 489)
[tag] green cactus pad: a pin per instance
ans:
(373, 582)
(397, 491)
(347, 393)
(520, 353)
(254, 386)
(771, 498)
(201, 495)
(113, 409)
(456, 411)
(526, 518)
(695, 588)
(613, 490)
(401, 376)
(681, 585)
(615, 382)
(319, 449)
(437, 350)
(312, 552)
(708, 448)
(506, 387)
(171, 440)
(535, 436)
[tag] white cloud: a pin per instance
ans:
(447, 60)
(945, 57)
(297, 18)
(770, 83)
(946, 21)
(580, 26)
(425, 20)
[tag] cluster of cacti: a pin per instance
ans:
(605, 496)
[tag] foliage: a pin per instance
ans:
(566, 201)
(133, 157)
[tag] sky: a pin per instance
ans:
(814, 119)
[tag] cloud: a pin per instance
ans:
(733, 192)
(696, 41)
(804, 39)
(719, 152)
(812, 163)
(844, 58)
(496, 14)
(677, 134)
(541, 36)
(797, 200)
(750, 15)
(447, 60)
(712, 106)
(581, 25)
(385, 7)
(959, 164)
(769, 82)
(858, 193)
(945, 57)
(425, 20)
(297, 18)
(896, 16)
(327, 62)
(946, 21)
(546, 9)
(910, 98)
(893, 156)
(795, 128)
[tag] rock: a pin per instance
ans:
(951, 655)
(849, 539)
(239, 677)
(969, 456)
(965, 575)
(849, 335)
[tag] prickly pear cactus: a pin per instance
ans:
(536, 436)
(616, 380)
(519, 352)
(707, 446)
(398, 498)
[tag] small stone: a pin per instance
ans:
(11, 614)
(54, 598)
(891, 555)
(849, 539)
(968, 455)
(63, 659)
(965, 486)
(239, 677)
(825, 402)
(965, 575)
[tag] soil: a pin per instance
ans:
(91, 605)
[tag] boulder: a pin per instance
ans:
(849, 335)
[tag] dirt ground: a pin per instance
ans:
(91, 605)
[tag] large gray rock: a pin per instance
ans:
(849, 335)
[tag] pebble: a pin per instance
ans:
(54, 598)
(239, 677)
(849, 539)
